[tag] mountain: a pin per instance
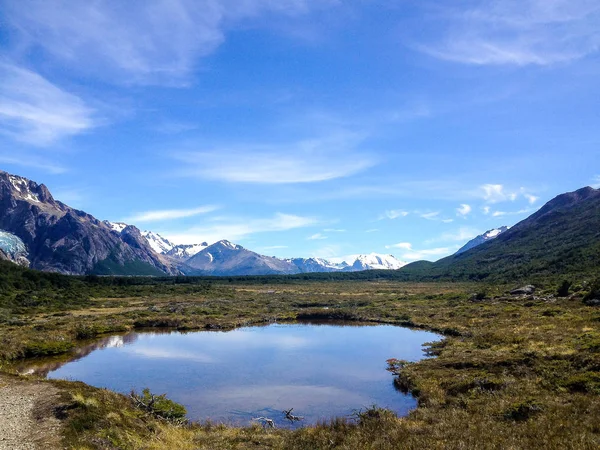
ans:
(310, 265)
(158, 243)
(59, 238)
(374, 261)
(226, 258)
(185, 251)
(561, 239)
(488, 235)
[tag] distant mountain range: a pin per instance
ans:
(36, 230)
(40, 232)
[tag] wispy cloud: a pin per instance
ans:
(334, 230)
(430, 215)
(32, 160)
(169, 214)
(316, 237)
(35, 111)
(235, 229)
(306, 161)
(511, 213)
(464, 210)
(517, 32)
(274, 247)
(150, 42)
(393, 214)
(402, 245)
(596, 182)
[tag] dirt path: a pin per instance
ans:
(26, 415)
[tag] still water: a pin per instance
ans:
(321, 371)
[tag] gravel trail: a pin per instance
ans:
(27, 421)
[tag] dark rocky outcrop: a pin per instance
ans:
(62, 239)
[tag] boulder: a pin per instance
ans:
(525, 290)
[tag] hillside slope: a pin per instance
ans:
(562, 238)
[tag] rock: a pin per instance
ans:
(525, 290)
(593, 302)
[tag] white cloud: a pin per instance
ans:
(31, 160)
(518, 32)
(430, 215)
(35, 111)
(235, 229)
(393, 214)
(149, 42)
(464, 210)
(596, 182)
(494, 193)
(169, 214)
(486, 210)
(402, 245)
(305, 161)
(531, 198)
(334, 230)
(511, 213)
(316, 237)
(274, 247)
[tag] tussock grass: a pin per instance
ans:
(511, 373)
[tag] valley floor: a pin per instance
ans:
(513, 371)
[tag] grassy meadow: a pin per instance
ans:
(512, 371)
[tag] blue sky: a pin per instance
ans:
(304, 128)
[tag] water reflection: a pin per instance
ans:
(320, 370)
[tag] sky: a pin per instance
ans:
(301, 128)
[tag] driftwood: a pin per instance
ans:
(292, 418)
(141, 404)
(266, 422)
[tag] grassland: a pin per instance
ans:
(512, 371)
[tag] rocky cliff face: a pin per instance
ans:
(62, 239)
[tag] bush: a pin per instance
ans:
(563, 290)
(159, 406)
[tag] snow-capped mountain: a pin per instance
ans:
(371, 261)
(158, 243)
(375, 261)
(487, 236)
(308, 265)
(227, 258)
(185, 251)
(59, 238)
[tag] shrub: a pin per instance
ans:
(159, 406)
(563, 290)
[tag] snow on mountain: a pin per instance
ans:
(116, 226)
(308, 265)
(487, 236)
(359, 262)
(158, 243)
(186, 251)
(375, 261)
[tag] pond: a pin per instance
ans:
(321, 371)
